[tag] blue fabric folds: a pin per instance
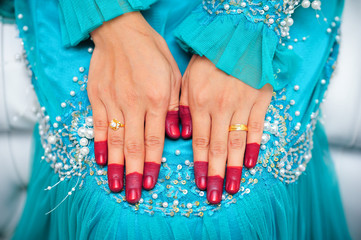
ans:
(79, 17)
(249, 51)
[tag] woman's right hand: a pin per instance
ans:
(134, 79)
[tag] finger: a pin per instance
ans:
(201, 135)
(172, 118)
(236, 147)
(134, 154)
(184, 111)
(154, 142)
(217, 157)
(115, 150)
(255, 130)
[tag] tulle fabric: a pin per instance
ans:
(308, 209)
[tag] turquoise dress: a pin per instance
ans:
(292, 192)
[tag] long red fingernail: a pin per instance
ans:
(233, 179)
(115, 177)
(101, 152)
(251, 156)
(186, 120)
(151, 171)
(214, 189)
(200, 174)
(172, 125)
(133, 187)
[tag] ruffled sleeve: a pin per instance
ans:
(243, 38)
(79, 17)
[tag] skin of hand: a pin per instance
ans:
(216, 101)
(134, 79)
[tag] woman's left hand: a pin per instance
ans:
(216, 101)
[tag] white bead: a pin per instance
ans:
(201, 193)
(292, 102)
(283, 23)
(316, 5)
(175, 202)
(253, 171)
(52, 139)
(263, 147)
(226, 7)
(297, 128)
(266, 8)
(141, 200)
(81, 69)
(20, 16)
(296, 88)
(297, 173)
(189, 205)
(164, 159)
(306, 4)
(316, 101)
(317, 15)
(337, 19)
(243, 4)
(89, 121)
(154, 196)
(81, 132)
(72, 93)
(165, 204)
(85, 151)
(323, 81)
(75, 79)
(266, 126)
(329, 30)
(63, 104)
(295, 40)
(90, 50)
(297, 113)
(265, 138)
(58, 118)
(83, 142)
(289, 21)
(25, 28)
(288, 167)
(275, 143)
(177, 152)
(333, 24)
(290, 47)
(304, 38)
(187, 162)
(271, 21)
(48, 188)
(223, 197)
(89, 133)
(282, 171)
(301, 168)
(55, 125)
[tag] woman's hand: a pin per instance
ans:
(134, 79)
(216, 101)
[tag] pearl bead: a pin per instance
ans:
(177, 152)
(266, 8)
(323, 81)
(89, 133)
(63, 104)
(292, 102)
(296, 88)
(329, 30)
(283, 23)
(175, 202)
(289, 21)
(164, 159)
(25, 28)
(263, 147)
(226, 7)
(337, 19)
(165, 204)
(266, 126)
(243, 4)
(306, 4)
(297, 113)
(288, 167)
(81, 132)
(290, 47)
(253, 171)
(265, 138)
(90, 50)
(316, 5)
(52, 139)
(333, 24)
(317, 15)
(297, 128)
(72, 93)
(55, 125)
(316, 101)
(297, 173)
(189, 205)
(154, 196)
(187, 162)
(89, 121)
(301, 168)
(85, 151)
(58, 118)
(304, 38)
(83, 142)
(271, 21)
(75, 79)
(81, 69)
(282, 171)
(20, 16)
(141, 200)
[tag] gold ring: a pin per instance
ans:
(238, 127)
(115, 124)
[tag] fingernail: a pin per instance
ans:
(150, 175)
(101, 152)
(133, 187)
(214, 189)
(172, 125)
(115, 177)
(233, 179)
(186, 120)
(251, 156)
(200, 174)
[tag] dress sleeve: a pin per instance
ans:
(79, 17)
(248, 39)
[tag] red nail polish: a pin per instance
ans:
(233, 179)
(172, 125)
(186, 120)
(115, 177)
(101, 152)
(200, 174)
(133, 187)
(214, 189)
(251, 156)
(150, 175)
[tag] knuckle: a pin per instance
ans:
(134, 148)
(218, 149)
(201, 143)
(237, 142)
(152, 142)
(224, 102)
(158, 98)
(116, 140)
(100, 125)
(255, 126)
(201, 99)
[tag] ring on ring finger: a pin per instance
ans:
(115, 124)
